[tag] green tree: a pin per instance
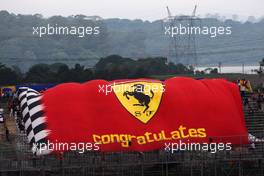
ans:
(8, 76)
(40, 73)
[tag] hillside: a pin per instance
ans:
(128, 38)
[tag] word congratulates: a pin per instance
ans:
(127, 139)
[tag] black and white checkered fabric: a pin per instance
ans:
(33, 119)
(1, 117)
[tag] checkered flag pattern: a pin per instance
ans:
(34, 119)
(1, 118)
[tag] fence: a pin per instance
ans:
(17, 159)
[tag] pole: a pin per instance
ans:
(220, 67)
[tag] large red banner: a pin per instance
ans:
(142, 114)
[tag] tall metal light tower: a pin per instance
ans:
(182, 48)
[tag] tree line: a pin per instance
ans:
(109, 68)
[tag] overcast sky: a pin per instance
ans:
(133, 9)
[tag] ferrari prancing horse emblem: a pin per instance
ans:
(141, 99)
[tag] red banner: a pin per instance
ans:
(142, 114)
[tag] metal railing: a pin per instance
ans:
(241, 160)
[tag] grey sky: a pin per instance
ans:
(133, 9)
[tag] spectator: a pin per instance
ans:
(242, 88)
(15, 106)
(7, 134)
(246, 103)
(10, 106)
(259, 100)
(251, 104)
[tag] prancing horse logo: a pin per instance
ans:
(138, 94)
(141, 99)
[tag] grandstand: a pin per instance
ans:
(16, 158)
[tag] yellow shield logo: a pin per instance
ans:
(141, 98)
